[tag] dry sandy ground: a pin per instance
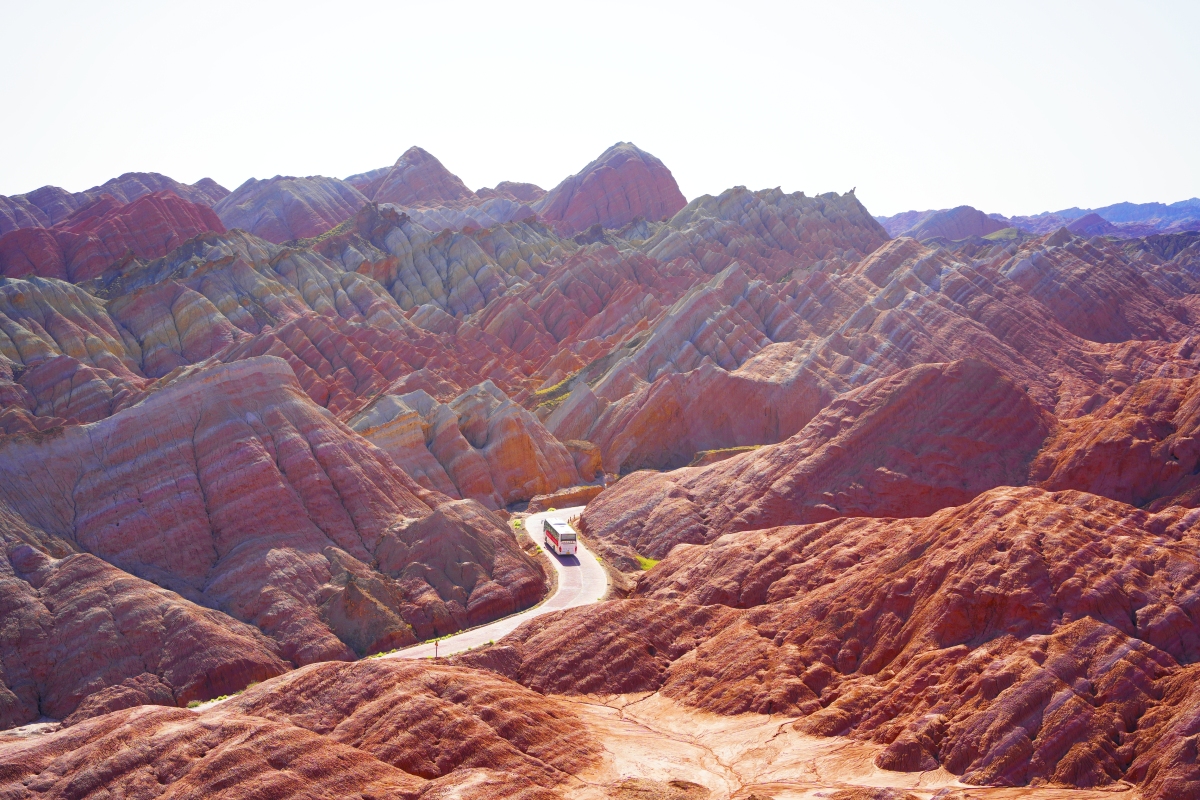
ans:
(656, 740)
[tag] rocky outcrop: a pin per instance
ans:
(458, 272)
(416, 179)
(50, 205)
(770, 232)
(480, 445)
(281, 209)
(929, 437)
(565, 498)
(102, 234)
(624, 183)
(1032, 310)
(233, 490)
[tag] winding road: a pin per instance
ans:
(581, 581)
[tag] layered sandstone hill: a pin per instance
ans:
(1023, 637)
(103, 233)
(624, 183)
(928, 437)
(952, 224)
(231, 489)
(480, 445)
(284, 208)
(49, 205)
(374, 729)
(1045, 312)
(416, 179)
(514, 190)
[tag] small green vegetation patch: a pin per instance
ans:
(647, 563)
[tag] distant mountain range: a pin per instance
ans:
(1123, 220)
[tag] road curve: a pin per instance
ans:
(581, 581)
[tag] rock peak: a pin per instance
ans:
(624, 183)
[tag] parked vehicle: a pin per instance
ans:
(559, 537)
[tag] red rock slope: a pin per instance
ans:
(373, 729)
(104, 233)
(416, 179)
(928, 437)
(232, 489)
(1022, 638)
(624, 183)
(50, 205)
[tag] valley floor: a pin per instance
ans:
(650, 740)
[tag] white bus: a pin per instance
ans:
(559, 537)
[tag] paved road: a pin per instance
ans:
(581, 581)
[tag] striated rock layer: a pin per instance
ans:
(281, 209)
(374, 729)
(1024, 637)
(624, 183)
(479, 445)
(50, 205)
(231, 489)
(104, 233)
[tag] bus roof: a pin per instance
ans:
(561, 527)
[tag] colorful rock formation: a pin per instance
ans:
(416, 179)
(49, 205)
(231, 489)
(102, 234)
(376, 729)
(624, 183)
(281, 209)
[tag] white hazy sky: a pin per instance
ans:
(1011, 107)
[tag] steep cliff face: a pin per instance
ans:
(231, 489)
(624, 183)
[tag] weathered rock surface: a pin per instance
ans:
(103, 233)
(1045, 312)
(371, 729)
(281, 209)
(480, 445)
(50, 205)
(416, 179)
(233, 490)
(514, 190)
(429, 720)
(926, 438)
(82, 637)
(565, 498)
(953, 224)
(1141, 448)
(1022, 637)
(624, 183)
